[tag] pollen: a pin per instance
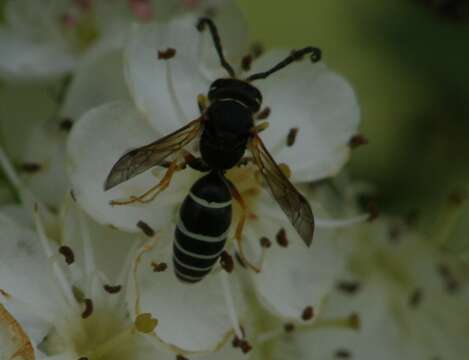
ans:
(159, 267)
(145, 323)
(226, 261)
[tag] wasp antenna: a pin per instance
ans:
(216, 41)
(294, 56)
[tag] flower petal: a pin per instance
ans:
(22, 59)
(191, 318)
(293, 277)
(14, 343)
(97, 141)
(165, 91)
(316, 101)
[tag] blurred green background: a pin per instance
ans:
(409, 63)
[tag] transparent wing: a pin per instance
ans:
(145, 157)
(290, 200)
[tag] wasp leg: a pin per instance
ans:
(240, 226)
(154, 191)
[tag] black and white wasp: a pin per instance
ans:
(224, 130)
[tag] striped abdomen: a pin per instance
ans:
(204, 221)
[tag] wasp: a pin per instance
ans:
(224, 131)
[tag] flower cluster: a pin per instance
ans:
(82, 277)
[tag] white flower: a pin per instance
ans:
(293, 281)
(410, 298)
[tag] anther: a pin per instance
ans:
(159, 267)
(112, 289)
(83, 358)
(343, 354)
(289, 327)
(146, 229)
(68, 254)
(66, 124)
(145, 323)
(308, 313)
(30, 167)
(246, 62)
(415, 298)
(169, 53)
(349, 287)
(373, 211)
(450, 282)
(180, 357)
(281, 238)
(265, 242)
(88, 308)
(264, 114)
(354, 321)
(236, 342)
(357, 140)
(72, 195)
(257, 49)
(291, 137)
(226, 262)
(5, 294)
(245, 346)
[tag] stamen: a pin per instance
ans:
(146, 229)
(415, 298)
(357, 140)
(230, 305)
(289, 327)
(246, 62)
(343, 354)
(291, 137)
(159, 267)
(226, 262)
(308, 313)
(172, 92)
(169, 53)
(68, 254)
(66, 124)
(349, 287)
(264, 114)
(88, 308)
(145, 323)
(30, 167)
(281, 238)
(265, 242)
(112, 289)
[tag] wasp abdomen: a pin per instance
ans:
(204, 221)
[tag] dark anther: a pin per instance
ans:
(226, 262)
(264, 114)
(415, 298)
(291, 137)
(88, 308)
(159, 267)
(72, 195)
(349, 287)
(112, 289)
(357, 140)
(236, 342)
(289, 327)
(281, 238)
(66, 124)
(450, 282)
(373, 211)
(308, 313)
(343, 354)
(68, 254)
(146, 229)
(30, 167)
(257, 49)
(245, 346)
(354, 321)
(83, 358)
(180, 357)
(265, 242)
(166, 54)
(246, 62)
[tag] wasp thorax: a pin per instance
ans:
(238, 90)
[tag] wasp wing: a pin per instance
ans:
(290, 200)
(143, 158)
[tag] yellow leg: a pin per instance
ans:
(240, 226)
(153, 192)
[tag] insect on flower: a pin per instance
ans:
(225, 129)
